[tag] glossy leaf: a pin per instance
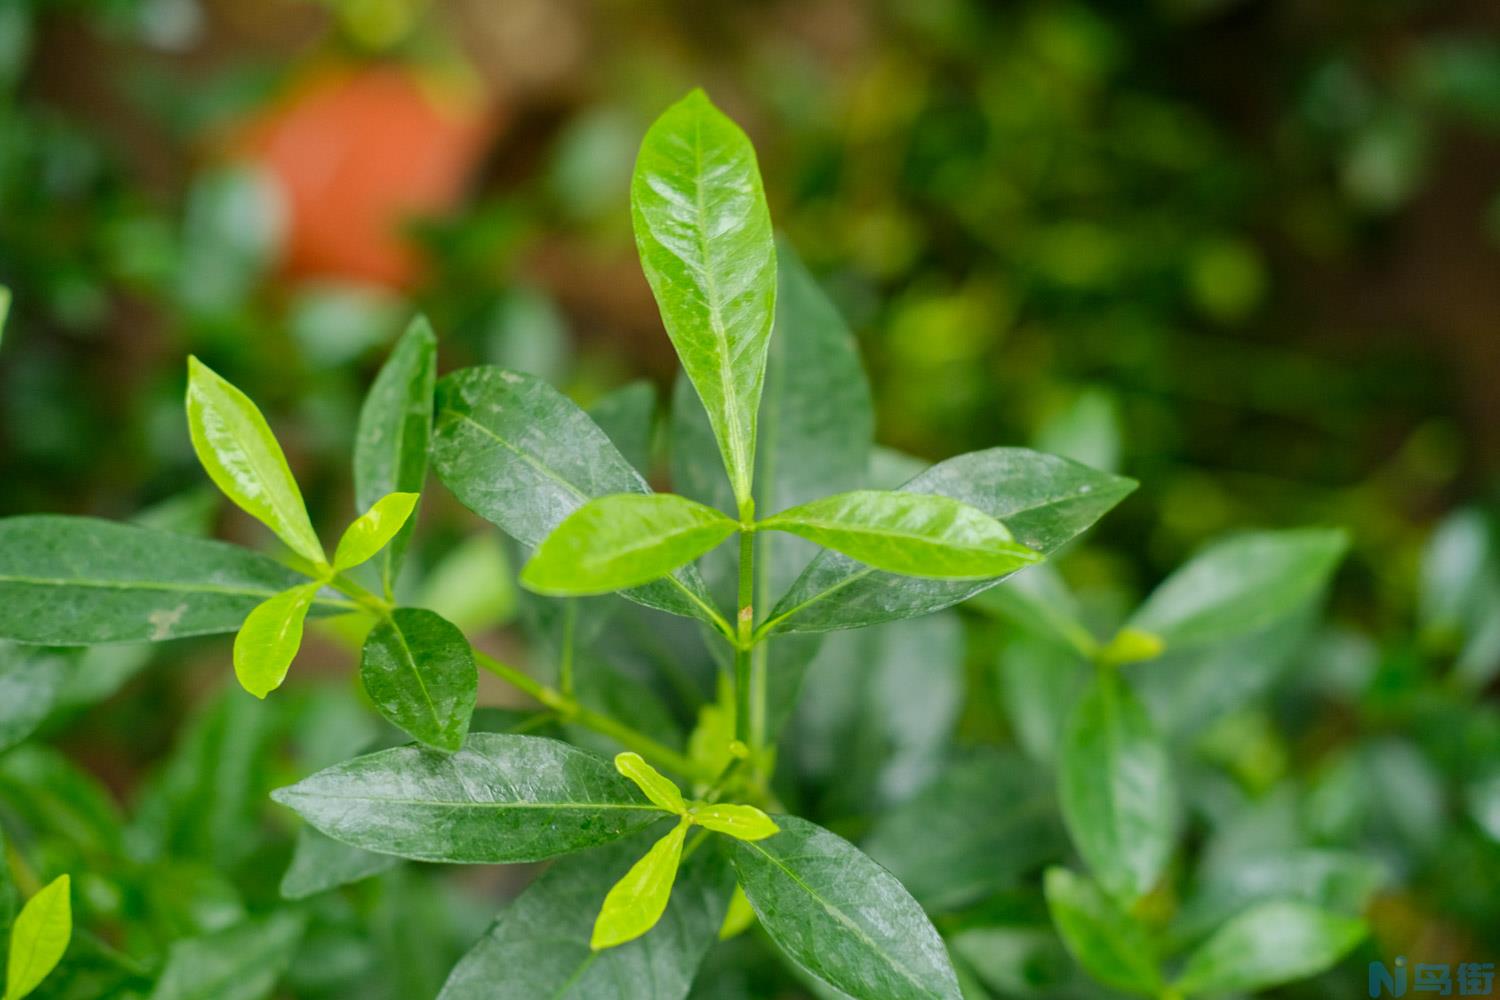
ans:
(1116, 790)
(842, 917)
(914, 534)
(980, 825)
(74, 581)
(703, 232)
(268, 641)
(374, 530)
(39, 937)
(1043, 500)
(653, 784)
(523, 456)
(31, 681)
(242, 962)
(636, 902)
(395, 423)
(501, 798)
(622, 541)
(1273, 943)
(241, 456)
(419, 671)
(1113, 946)
(738, 821)
(320, 863)
(1241, 586)
(539, 945)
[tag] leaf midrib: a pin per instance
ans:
(191, 588)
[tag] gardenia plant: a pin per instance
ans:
(675, 848)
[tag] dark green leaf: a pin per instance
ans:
(1113, 946)
(979, 826)
(1039, 683)
(703, 232)
(395, 422)
(914, 534)
(1272, 943)
(523, 456)
(539, 945)
(419, 671)
(501, 798)
(1044, 501)
(1115, 785)
(627, 416)
(320, 863)
(75, 581)
(1240, 586)
(841, 916)
(623, 540)
(30, 682)
(242, 963)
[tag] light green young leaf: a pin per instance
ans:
(4, 309)
(1112, 945)
(269, 639)
(738, 821)
(539, 944)
(523, 456)
(1116, 790)
(622, 541)
(1270, 944)
(373, 530)
(1240, 586)
(39, 937)
(657, 786)
(419, 672)
(703, 232)
(76, 581)
(241, 456)
(638, 900)
(502, 798)
(395, 422)
(914, 534)
(842, 917)
(1045, 502)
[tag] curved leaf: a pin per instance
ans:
(501, 798)
(636, 902)
(269, 640)
(1112, 945)
(39, 937)
(1270, 944)
(31, 681)
(373, 530)
(419, 671)
(703, 232)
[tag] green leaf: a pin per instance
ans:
(703, 232)
(656, 786)
(320, 863)
(636, 902)
(627, 415)
(841, 916)
(270, 638)
(622, 541)
(373, 530)
(419, 671)
(1240, 586)
(73, 581)
(241, 456)
(1039, 682)
(501, 798)
(539, 945)
(1273, 943)
(395, 422)
(39, 937)
(31, 681)
(521, 455)
(738, 821)
(1113, 946)
(1116, 790)
(243, 962)
(1043, 500)
(979, 826)
(914, 534)
(5, 299)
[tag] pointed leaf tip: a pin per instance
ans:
(657, 787)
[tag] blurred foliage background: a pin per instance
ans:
(1248, 253)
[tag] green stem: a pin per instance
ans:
(371, 602)
(571, 711)
(565, 659)
(745, 709)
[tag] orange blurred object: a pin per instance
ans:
(358, 153)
